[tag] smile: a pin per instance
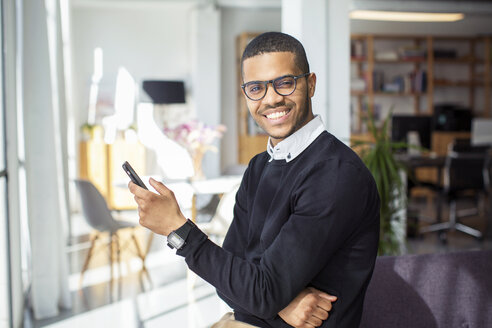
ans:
(276, 115)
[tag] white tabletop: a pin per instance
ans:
(211, 186)
(218, 185)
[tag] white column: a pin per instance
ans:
(44, 174)
(206, 83)
(338, 27)
(11, 30)
(323, 28)
(4, 244)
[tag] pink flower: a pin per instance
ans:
(196, 136)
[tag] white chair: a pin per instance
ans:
(219, 224)
(99, 217)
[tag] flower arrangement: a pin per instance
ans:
(197, 137)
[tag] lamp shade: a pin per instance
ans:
(165, 92)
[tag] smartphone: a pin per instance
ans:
(133, 175)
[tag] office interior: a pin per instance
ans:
(74, 107)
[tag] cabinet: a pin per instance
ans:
(422, 70)
(251, 139)
(101, 163)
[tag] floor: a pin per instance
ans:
(173, 296)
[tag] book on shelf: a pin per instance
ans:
(445, 53)
(390, 55)
(407, 83)
(357, 50)
(412, 53)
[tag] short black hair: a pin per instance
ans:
(276, 42)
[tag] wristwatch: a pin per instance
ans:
(177, 238)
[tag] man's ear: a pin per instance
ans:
(311, 84)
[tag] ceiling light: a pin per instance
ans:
(405, 16)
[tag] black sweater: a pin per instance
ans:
(313, 221)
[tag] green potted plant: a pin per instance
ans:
(379, 156)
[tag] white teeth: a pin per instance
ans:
(277, 115)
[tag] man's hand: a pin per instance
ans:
(309, 309)
(158, 212)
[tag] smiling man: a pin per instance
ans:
(302, 246)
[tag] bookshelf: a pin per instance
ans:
(251, 139)
(426, 66)
(454, 66)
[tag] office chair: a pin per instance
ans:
(99, 217)
(466, 175)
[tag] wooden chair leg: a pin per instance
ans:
(118, 262)
(111, 259)
(140, 253)
(118, 253)
(88, 258)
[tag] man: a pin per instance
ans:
(306, 219)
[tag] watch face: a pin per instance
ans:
(175, 241)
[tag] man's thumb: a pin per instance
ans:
(158, 186)
(329, 297)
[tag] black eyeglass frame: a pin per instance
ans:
(265, 83)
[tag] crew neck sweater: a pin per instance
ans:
(312, 221)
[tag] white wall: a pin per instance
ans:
(206, 59)
(152, 41)
(234, 22)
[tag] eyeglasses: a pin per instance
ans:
(284, 86)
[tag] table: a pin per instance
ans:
(412, 162)
(212, 186)
(438, 162)
(216, 186)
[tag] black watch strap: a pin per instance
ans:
(182, 233)
(185, 229)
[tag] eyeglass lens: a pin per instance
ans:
(284, 86)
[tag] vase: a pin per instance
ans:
(197, 158)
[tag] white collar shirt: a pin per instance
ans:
(295, 144)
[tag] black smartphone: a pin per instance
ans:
(133, 175)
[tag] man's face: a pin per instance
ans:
(280, 116)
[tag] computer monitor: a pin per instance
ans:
(481, 132)
(452, 117)
(402, 124)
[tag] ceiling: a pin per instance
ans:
(473, 7)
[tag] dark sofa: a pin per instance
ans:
(431, 290)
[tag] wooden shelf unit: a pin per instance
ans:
(101, 163)
(367, 61)
(249, 144)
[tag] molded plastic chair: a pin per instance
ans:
(99, 217)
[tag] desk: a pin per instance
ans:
(217, 186)
(213, 186)
(413, 162)
(438, 162)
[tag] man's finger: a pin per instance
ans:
(325, 305)
(314, 321)
(159, 186)
(320, 313)
(137, 190)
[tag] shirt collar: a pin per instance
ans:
(295, 144)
